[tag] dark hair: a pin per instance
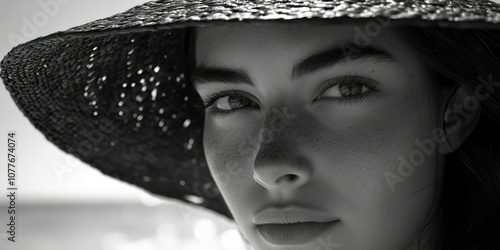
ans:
(469, 211)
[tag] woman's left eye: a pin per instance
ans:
(347, 89)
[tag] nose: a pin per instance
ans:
(286, 175)
(279, 163)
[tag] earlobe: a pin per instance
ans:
(461, 116)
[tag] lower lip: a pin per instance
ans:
(293, 234)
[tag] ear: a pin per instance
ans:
(461, 117)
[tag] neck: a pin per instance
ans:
(428, 239)
(429, 236)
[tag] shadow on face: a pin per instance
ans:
(327, 117)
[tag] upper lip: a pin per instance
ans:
(290, 214)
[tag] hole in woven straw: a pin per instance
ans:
(190, 144)
(186, 123)
(194, 199)
(153, 94)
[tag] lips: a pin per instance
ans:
(292, 224)
(293, 234)
(291, 214)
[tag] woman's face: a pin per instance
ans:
(334, 121)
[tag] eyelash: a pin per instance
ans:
(346, 79)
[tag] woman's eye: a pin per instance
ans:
(344, 91)
(231, 102)
(226, 102)
(347, 88)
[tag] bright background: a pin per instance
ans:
(62, 203)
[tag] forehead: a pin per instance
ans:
(232, 44)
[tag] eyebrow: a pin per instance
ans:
(323, 59)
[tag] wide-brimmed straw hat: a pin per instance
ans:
(116, 92)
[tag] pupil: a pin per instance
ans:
(350, 90)
(235, 101)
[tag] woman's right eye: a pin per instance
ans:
(226, 102)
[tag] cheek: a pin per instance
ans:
(381, 175)
(229, 149)
(368, 140)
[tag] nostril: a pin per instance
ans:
(288, 178)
